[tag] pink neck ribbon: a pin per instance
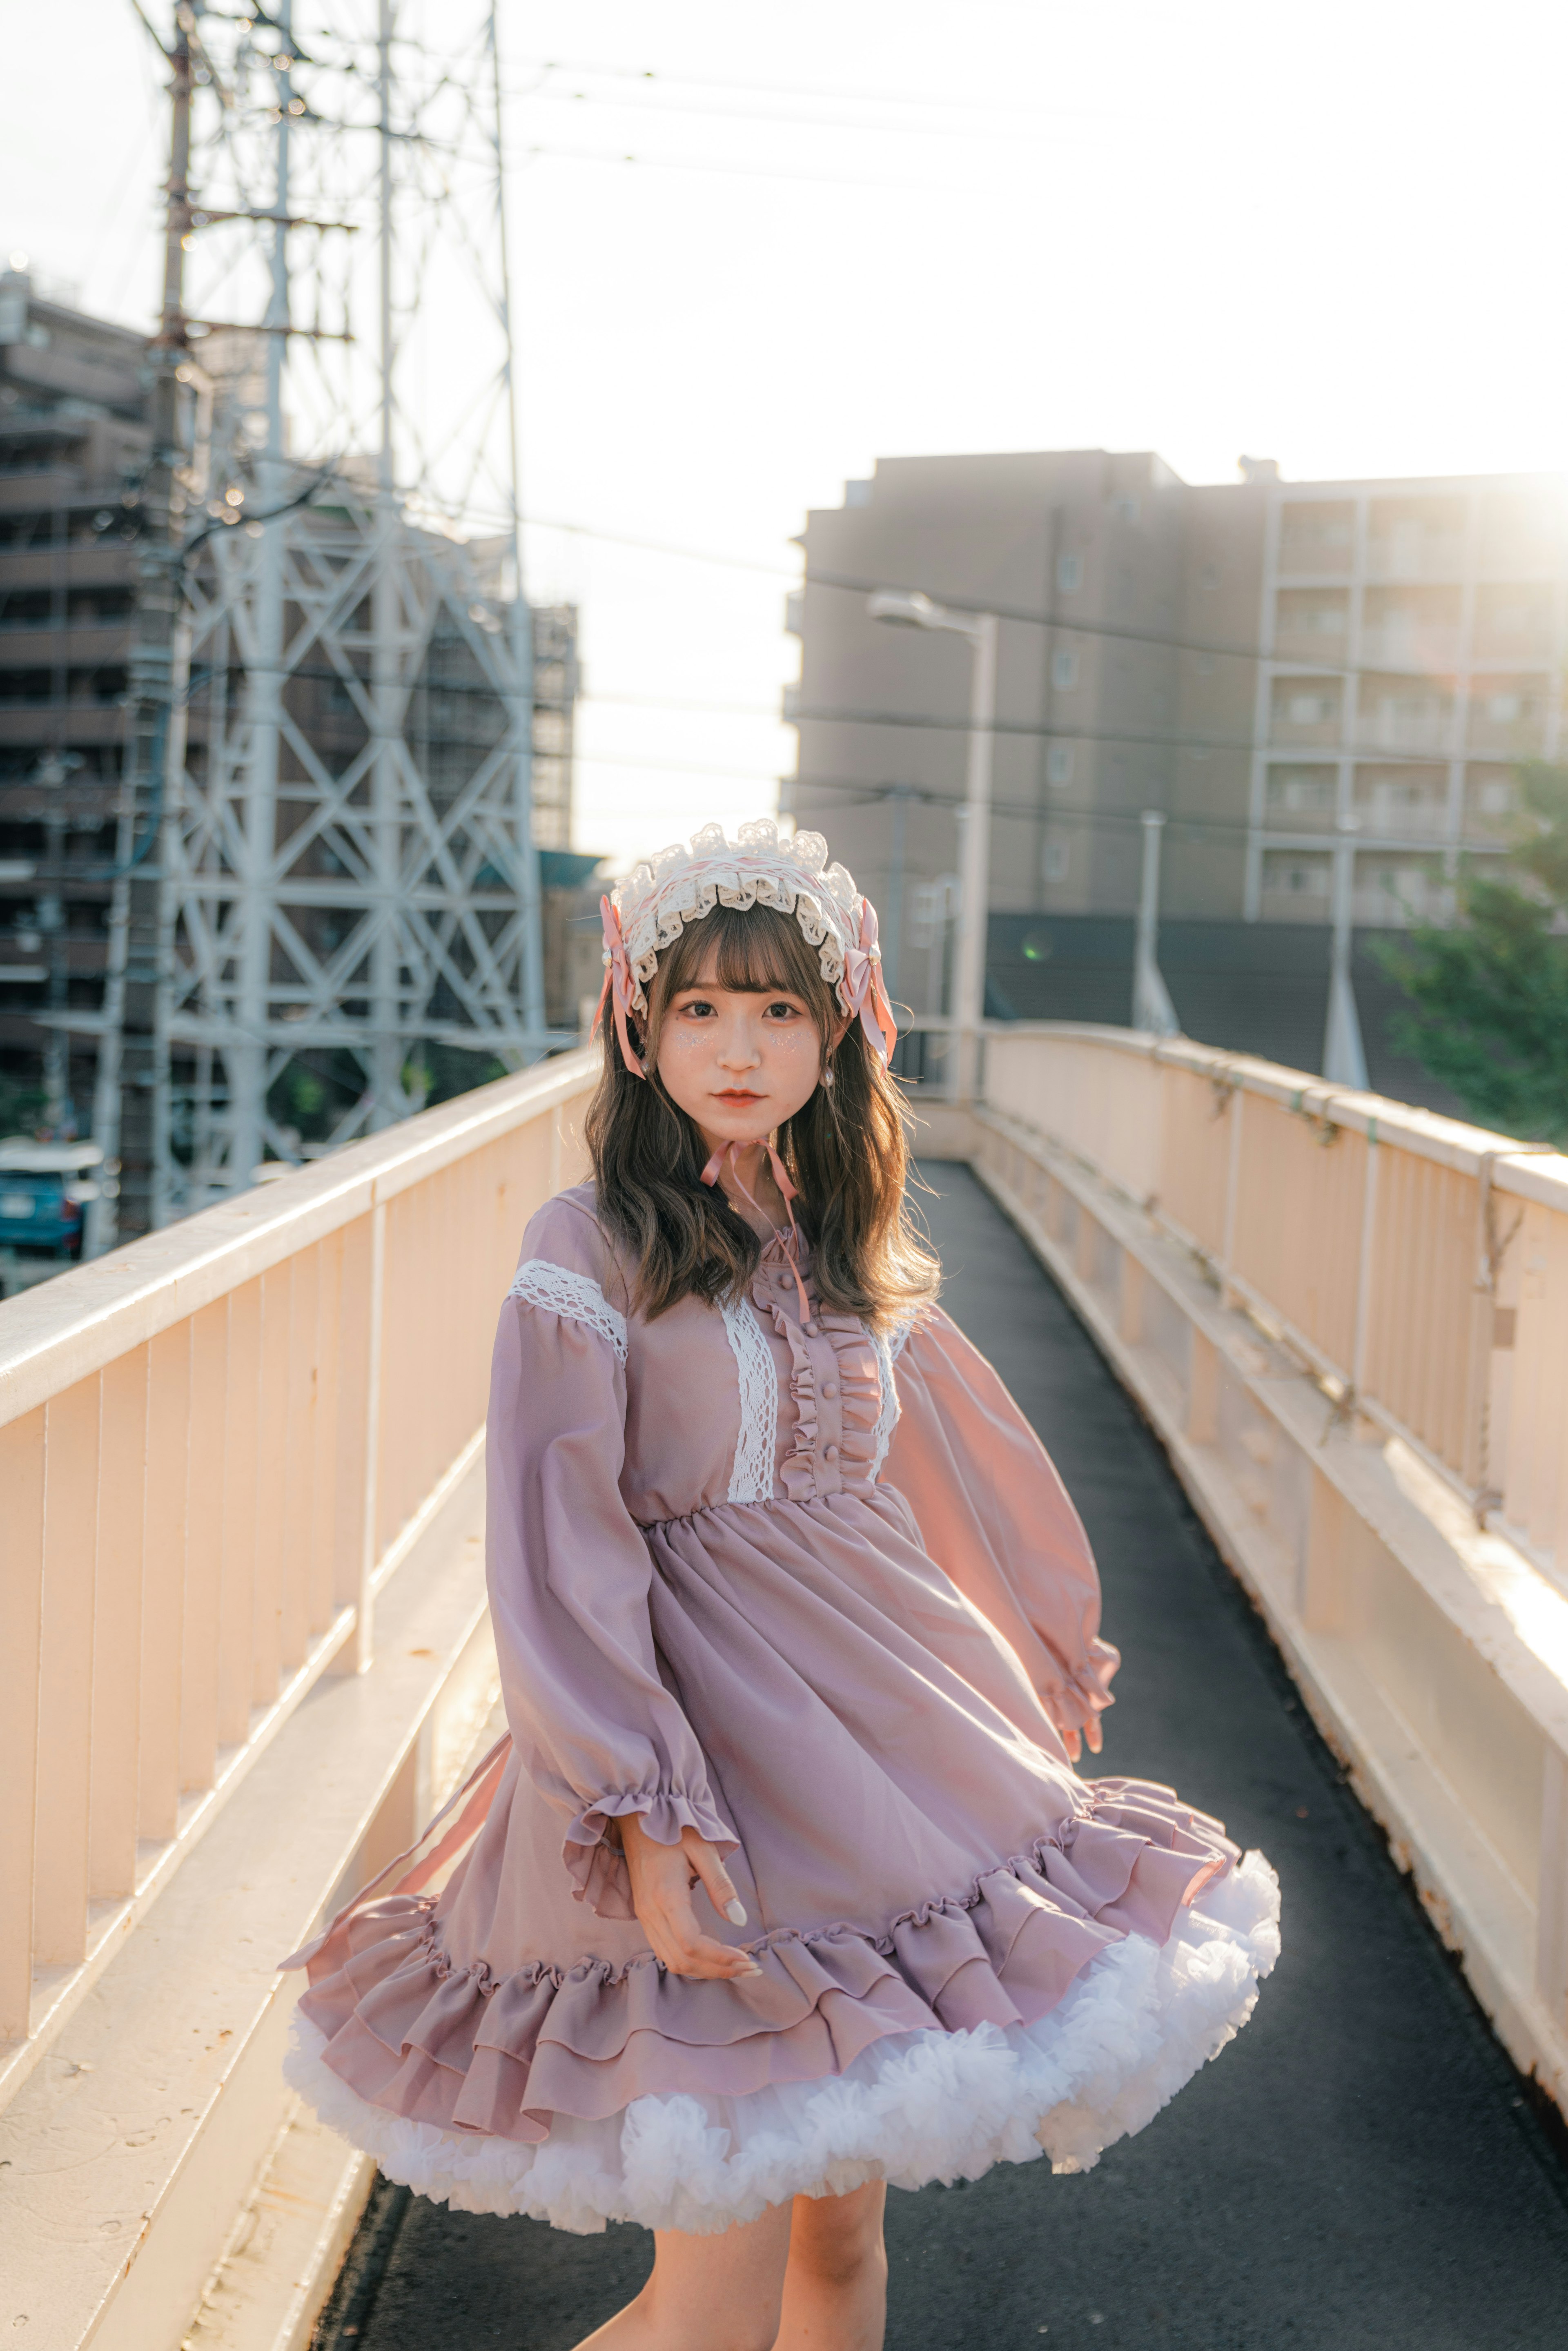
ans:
(788, 1191)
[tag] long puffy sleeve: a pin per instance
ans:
(995, 1516)
(568, 1571)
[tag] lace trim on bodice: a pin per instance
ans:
(573, 1295)
(751, 1479)
(888, 1350)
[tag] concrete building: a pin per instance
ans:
(73, 443)
(1287, 672)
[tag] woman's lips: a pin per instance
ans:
(737, 1094)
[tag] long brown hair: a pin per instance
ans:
(846, 1148)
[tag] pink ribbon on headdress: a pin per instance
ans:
(864, 987)
(617, 985)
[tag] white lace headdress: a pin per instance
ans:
(646, 912)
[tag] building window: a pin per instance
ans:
(1069, 574)
(1296, 877)
(1309, 709)
(1126, 509)
(1059, 765)
(1496, 796)
(1064, 669)
(1054, 861)
(1506, 709)
(1300, 794)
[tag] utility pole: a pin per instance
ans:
(387, 1103)
(264, 682)
(133, 1040)
(892, 942)
(520, 701)
(1345, 1056)
(1152, 1006)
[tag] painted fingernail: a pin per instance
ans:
(736, 1913)
(753, 1971)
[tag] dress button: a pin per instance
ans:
(829, 1452)
(830, 1387)
(785, 1281)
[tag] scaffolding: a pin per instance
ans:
(328, 838)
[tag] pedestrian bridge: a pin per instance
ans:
(243, 1652)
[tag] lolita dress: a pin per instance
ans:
(818, 1593)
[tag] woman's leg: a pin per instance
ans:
(707, 2293)
(835, 2288)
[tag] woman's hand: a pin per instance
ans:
(1073, 1742)
(663, 1877)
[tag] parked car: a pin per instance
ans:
(44, 1191)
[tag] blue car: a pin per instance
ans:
(44, 1191)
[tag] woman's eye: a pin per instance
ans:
(786, 1011)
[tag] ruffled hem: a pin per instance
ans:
(913, 2107)
(508, 2056)
(597, 1869)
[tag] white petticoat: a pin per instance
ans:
(914, 2107)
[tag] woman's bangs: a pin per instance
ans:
(749, 949)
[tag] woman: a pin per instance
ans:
(782, 1887)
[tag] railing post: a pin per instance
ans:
(1232, 1196)
(1551, 1912)
(21, 1630)
(1364, 1264)
(364, 1627)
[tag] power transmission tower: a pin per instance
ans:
(336, 773)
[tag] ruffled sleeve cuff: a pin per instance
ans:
(597, 1869)
(1075, 1701)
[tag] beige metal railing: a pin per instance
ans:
(214, 1447)
(1348, 1322)
(1420, 1266)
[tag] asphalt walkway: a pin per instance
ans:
(1360, 2171)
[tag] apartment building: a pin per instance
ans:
(73, 443)
(1288, 672)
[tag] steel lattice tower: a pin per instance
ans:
(339, 774)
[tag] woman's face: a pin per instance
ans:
(739, 1064)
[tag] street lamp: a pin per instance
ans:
(906, 607)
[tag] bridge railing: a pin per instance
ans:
(214, 1447)
(1348, 1321)
(1420, 1266)
(243, 1641)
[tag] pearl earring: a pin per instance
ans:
(827, 1073)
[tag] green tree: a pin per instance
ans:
(1489, 995)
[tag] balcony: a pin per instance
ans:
(41, 491)
(1417, 554)
(1400, 646)
(1392, 720)
(244, 1651)
(30, 645)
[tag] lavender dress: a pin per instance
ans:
(821, 1596)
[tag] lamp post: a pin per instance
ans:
(907, 608)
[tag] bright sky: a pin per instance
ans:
(857, 229)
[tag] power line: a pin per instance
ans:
(1070, 624)
(723, 114)
(747, 172)
(1085, 818)
(787, 90)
